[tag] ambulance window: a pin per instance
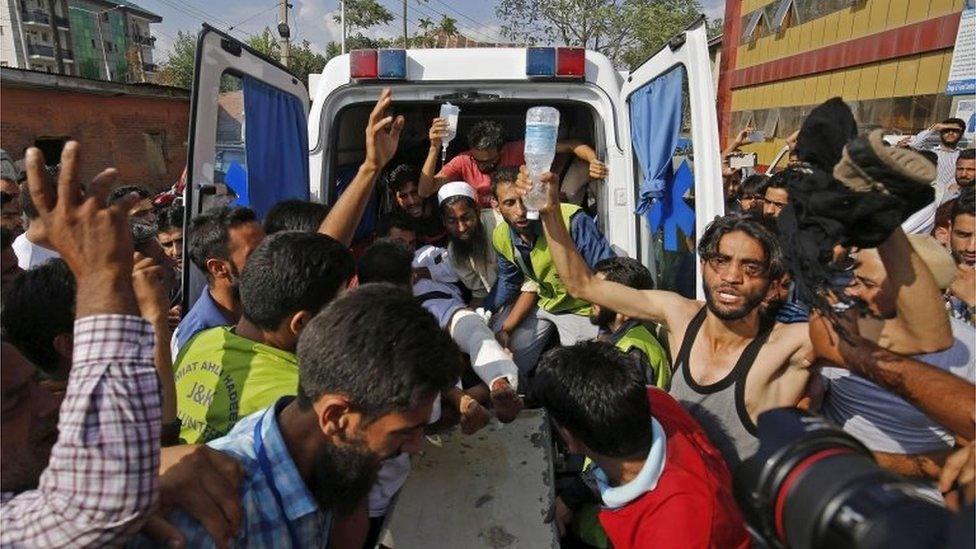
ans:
(668, 249)
(230, 164)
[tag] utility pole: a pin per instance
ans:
(405, 46)
(343, 18)
(285, 32)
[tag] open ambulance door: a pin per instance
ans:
(248, 137)
(671, 124)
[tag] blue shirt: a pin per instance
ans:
(204, 314)
(265, 523)
(590, 243)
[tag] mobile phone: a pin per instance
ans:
(743, 160)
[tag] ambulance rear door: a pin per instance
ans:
(248, 136)
(671, 142)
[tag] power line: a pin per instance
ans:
(471, 33)
(200, 15)
(262, 12)
(455, 10)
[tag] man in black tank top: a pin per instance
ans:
(720, 342)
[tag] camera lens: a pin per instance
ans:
(811, 485)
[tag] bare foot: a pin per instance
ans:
(474, 416)
(505, 401)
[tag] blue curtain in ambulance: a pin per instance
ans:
(276, 147)
(655, 123)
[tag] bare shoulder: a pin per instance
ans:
(792, 339)
(679, 310)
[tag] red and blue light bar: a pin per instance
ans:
(555, 62)
(378, 64)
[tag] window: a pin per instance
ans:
(155, 152)
(51, 147)
(94, 44)
(786, 16)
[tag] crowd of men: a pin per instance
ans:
(285, 402)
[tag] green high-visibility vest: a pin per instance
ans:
(553, 296)
(641, 338)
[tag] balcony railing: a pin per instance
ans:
(40, 51)
(36, 16)
(62, 22)
(149, 67)
(67, 54)
(144, 40)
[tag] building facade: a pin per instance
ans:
(140, 129)
(888, 59)
(101, 39)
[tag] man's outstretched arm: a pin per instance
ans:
(650, 305)
(382, 138)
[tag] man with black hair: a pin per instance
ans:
(32, 246)
(752, 193)
(402, 182)
(661, 482)
(397, 226)
(965, 173)
(228, 372)
(295, 215)
(8, 259)
(143, 210)
(221, 240)
(961, 295)
(38, 317)
(488, 151)
(371, 366)
(776, 196)
(943, 138)
(628, 334)
(524, 254)
(731, 362)
(169, 233)
(11, 216)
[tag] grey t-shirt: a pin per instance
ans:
(885, 422)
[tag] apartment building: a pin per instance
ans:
(99, 39)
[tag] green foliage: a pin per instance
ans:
(626, 31)
(363, 14)
(178, 69)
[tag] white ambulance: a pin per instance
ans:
(597, 103)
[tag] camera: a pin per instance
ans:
(812, 485)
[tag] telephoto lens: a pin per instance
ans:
(811, 485)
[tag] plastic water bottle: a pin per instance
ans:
(449, 113)
(541, 130)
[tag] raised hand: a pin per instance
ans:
(382, 132)
(438, 129)
(524, 184)
(93, 238)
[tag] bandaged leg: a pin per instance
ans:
(488, 359)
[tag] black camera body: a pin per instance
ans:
(811, 485)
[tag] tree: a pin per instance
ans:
(626, 31)
(363, 14)
(178, 68)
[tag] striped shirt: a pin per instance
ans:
(102, 477)
(928, 140)
(265, 524)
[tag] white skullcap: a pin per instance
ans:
(455, 188)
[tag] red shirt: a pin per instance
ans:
(692, 505)
(463, 168)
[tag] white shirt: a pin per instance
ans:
(923, 141)
(882, 420)
(30, 255)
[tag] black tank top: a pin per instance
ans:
(720, 407)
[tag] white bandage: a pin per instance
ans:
(488, 359)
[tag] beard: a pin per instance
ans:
(475, 246)
(725, 312)
(343, 476)
(603, 318)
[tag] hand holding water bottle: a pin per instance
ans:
(541, 130)
(549, 183)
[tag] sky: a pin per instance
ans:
(312, 19)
